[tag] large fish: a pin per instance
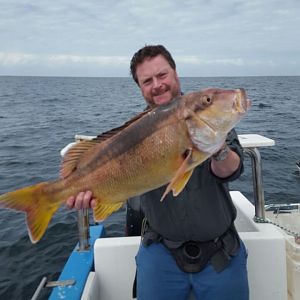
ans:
(159, 146)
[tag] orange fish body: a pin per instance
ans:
(159, 146)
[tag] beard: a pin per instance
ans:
(164, 95)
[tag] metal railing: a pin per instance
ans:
(83, 230)
(258, 191)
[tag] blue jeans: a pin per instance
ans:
(159, 277)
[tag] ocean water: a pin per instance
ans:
(40, 115)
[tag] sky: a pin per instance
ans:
(98, 37)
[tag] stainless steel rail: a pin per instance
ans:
(83, 230)
(258, 191)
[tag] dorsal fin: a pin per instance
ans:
(108, 134)
(73, 155)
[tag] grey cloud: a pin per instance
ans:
(83, 35)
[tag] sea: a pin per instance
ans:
(41, 115)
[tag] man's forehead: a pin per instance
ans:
(152, 66)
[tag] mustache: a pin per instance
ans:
(160, 90)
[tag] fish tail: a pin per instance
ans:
(37, 203)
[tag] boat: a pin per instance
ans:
(298, 165)
(104, 268)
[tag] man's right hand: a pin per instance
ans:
(82, 200)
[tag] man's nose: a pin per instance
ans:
(156, 82)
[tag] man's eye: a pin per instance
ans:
(162, 75)
(147, 81)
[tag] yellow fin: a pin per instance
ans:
(104, 210)
(181, 177)
(38, 206)
(180, 183)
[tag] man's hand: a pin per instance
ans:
(82, 200)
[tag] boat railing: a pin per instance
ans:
(83, 229)
(250, 144)
(258, 190)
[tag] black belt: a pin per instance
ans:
(193, 256)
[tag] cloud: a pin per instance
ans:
(90, 34)
(63, 65)
(64, 59)
(77, 59)
(16, 58)
(105, 65)
(195, 60)
(21, 58)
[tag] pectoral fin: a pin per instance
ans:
(181, 183)
(181, 177)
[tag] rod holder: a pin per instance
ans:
(83, 229)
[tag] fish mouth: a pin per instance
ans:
(241, 103)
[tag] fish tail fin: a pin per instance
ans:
(38, 205)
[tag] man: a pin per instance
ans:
(189, 241)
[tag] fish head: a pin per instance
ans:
(211, 113)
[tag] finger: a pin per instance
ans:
(70, 202)
(93, 203)
(87, 197)
(79, 200)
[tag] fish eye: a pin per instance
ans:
(206, 100)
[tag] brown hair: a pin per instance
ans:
(149, 51)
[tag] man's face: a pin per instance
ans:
(158, 82)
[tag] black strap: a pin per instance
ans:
(191, 256)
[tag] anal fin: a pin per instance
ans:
(104, 210)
